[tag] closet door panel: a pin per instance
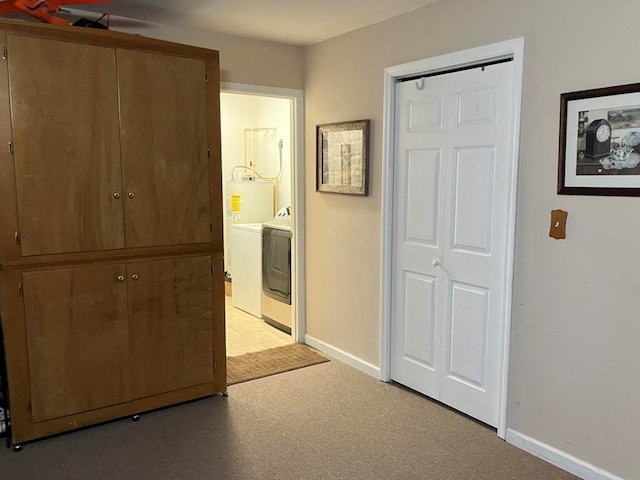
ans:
(164, 149)
(64, 106)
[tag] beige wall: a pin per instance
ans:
(574, 380)
(242, 60)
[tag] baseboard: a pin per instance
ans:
(558, 458)
(343, 356)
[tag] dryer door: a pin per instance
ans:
(276, 264)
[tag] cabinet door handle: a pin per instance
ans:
(116, 195)
(120, 278)
(134, 277)
(132, 195)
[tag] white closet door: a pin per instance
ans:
(453, 141)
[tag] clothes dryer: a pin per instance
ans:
(276, 299)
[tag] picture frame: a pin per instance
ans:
(342, 157)
(599, 152)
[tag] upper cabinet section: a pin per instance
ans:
(111, 142)
(66, 141)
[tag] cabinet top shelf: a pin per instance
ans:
(107, 38)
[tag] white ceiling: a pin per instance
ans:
(296, 22)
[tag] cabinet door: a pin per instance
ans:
(9, 249)
(164, 149)
(77, 339)
(170, 324)
(64, 107)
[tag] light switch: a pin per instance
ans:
(558, 224)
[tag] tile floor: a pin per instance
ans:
(246, 333)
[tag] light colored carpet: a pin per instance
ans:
(325, 422)
(271, 361)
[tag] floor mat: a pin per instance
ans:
(271, 361)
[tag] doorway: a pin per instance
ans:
(452, 127)
(261, 164)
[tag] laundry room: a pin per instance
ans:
(257, 148)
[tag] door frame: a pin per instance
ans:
(298, 290)
(497, 51)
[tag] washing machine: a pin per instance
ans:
(276, 299)
(246, 279)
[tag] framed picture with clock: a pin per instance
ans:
(599, 150)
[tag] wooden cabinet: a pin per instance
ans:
(116, 139)
(111, 275)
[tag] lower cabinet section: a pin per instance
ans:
(90, 343)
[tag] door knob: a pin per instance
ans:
(116, 195)
(134, 277)
(436, 262)
(132, 195)
(120, 278)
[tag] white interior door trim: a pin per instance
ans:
(507, 49)
(299, 327)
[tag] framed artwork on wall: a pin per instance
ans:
(342, 157)
(599, 150)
